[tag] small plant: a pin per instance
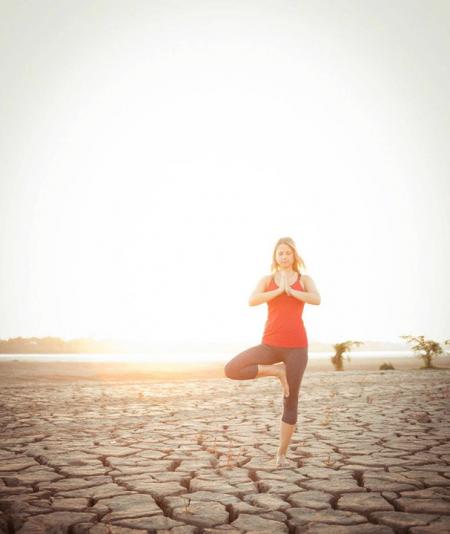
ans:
(386, 366)
(187, 509)
(427, 349)
(340, 348)
(327, 420)
(215, 445)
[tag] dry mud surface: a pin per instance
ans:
(371, 454)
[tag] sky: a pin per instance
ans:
(152, 153)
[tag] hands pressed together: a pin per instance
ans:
(284, 284)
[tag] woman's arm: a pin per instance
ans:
(259, 296)
(311, 295)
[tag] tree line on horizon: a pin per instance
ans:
(56, 345)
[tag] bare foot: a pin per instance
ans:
(280, 460)
(282, 376)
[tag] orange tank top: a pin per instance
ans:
(284, 325)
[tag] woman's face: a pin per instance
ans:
(284, 256)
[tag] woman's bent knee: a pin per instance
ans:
(228, 369)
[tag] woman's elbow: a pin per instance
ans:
(315, 299)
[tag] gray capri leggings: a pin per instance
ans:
(244, 366)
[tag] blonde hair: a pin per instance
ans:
(298, 266)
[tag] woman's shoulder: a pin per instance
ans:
(264, 281)
(307, 281)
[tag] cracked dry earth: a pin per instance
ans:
(371, 454)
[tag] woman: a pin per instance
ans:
(284, 340)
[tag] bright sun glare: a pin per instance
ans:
(161, 158)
